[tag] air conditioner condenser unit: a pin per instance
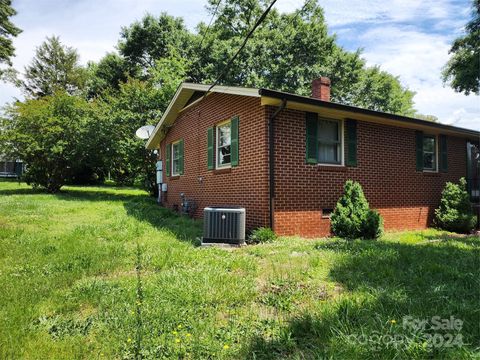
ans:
(224, 225)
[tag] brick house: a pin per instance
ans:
(285, 158)
(10, 168)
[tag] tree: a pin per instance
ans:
(111, 71)
(151, 39)
(167, 74)
(55, 67)
(139, 103)
(379, 90)
(48, 134)
(426, 117)
(287, 52)
(7, 31)
(136, 104)
(463, 68)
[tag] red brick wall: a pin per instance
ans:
(245, 185)
(386, 169)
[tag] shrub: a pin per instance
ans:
(373, 225)
(455, 211)
(261, 235)
(49, 135)
(352, 217)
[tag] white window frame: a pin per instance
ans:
(435, 137)
(217, 147)
(172, 153)
(342, 151)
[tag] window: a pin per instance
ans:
(429, 153)
(224, 141)
(176, 158)
(223, 144)
(325, 139)
(427, 149)
(329, 142)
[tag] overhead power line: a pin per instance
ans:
(300, 11)
(210, 23)
(230, 62)
(292, 20)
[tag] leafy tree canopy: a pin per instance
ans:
(7, 31)
(286, 53)
(55, 67)
(289, 51)
(48, 134)
(463, 69)
(151, 39)
(427, 117)
(79, 139)
(137, 103)
(108, 74)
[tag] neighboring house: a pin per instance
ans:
(10, 168)
(285, 158)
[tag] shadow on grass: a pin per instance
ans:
(144, 208)
(25, 191)
(71, 193)
(108, 194)
(184, 228)
(140, 206)
(385, 281)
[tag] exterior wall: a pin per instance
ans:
(11, 168)
(385, 167)
(245, 185)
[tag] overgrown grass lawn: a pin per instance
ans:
(103, 272)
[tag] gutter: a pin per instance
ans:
(271, 160)
(348, 108)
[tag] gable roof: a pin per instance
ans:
(189, 94)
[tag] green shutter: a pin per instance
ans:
(311, 125)
(443, 156)
(234, 141)
(469, 167)
(18, 168)
(419, 149)
(180, 157)
(210, 148)
(351, 132)
(167, 158)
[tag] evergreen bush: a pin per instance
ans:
(455, 210)
(352, 217)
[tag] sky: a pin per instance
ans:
(408, 38)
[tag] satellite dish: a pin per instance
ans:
(144, 132)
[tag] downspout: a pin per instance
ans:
(271, 155)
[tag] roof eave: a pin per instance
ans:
(412, 122)
(177, 104)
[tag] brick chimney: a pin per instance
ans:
(321, 88)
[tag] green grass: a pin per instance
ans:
(103, 272)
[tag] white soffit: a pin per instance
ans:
(180, 99)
